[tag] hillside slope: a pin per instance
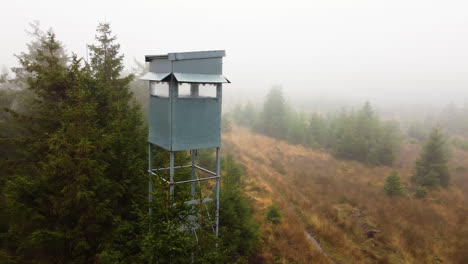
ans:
(341, 205)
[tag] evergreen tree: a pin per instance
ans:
(57, 200)
(166, 241)
(297, 129)
(385, 147)
(393, 185)
(124, 134)
(238, 231)
(362, 136)
(71, 197)
(431, 168)
(317, 130)
(273, 118)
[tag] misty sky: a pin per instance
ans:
(395, 49)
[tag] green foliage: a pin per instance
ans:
(167, 242)
(54, 209)
(393, 185)
(431, 168)
(206, 158)
(81, 160)
(420, 192)
(273, 214)
(317, 131)
(239, 232)
(273, 118)
(359, 135)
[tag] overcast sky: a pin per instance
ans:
(398, 49)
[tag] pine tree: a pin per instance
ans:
(431, 168)
(393, 185)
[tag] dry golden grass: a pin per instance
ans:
(338, 202)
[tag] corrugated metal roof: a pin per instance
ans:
(200, 78)
(154, 76)
(188, 55)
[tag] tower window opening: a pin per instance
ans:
(184, 90)
(159, 89)
(207, 90)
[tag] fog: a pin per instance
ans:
(384, 51)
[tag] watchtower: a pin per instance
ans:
(185, 113)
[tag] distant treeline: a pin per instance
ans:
(357, 135)
(453, 119)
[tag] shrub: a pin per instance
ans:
(273, 214)
(393, 185)
(420, 192)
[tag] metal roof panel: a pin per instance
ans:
(200, 78)
(154, 76)
(193, 55)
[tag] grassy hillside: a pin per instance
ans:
(341, 204)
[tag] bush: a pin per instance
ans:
(273, 214)
(393, 185)
(420, 192)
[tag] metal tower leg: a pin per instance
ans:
(193, 174)
(171, 173)
(150, 168)
(218, 181)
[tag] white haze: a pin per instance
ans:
(398, 50)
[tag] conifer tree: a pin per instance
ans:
(123, 135)
(57, 205)
(393, 185)
(273, 117)
(431, 168)
(238, 230)
(71, 195)
(317, 130)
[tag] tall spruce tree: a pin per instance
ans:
(123, 136)
(431, 168)
(56, 197)
(69, 197)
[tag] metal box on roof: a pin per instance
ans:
(185, 121)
